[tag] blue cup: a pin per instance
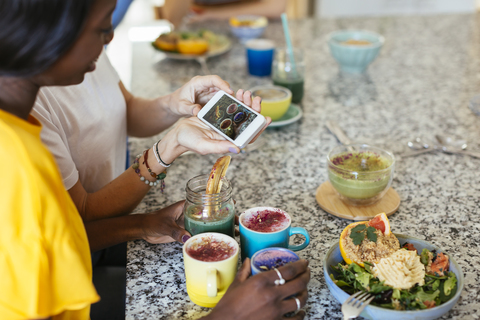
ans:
(267, 259)
(252, 241)
(260, 56)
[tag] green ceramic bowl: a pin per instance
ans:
(354, 50)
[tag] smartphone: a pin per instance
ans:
(232, 119)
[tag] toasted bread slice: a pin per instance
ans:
(219, 169)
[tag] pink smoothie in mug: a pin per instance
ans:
(266, 220)
(210, 249)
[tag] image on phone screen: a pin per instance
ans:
(229, 117)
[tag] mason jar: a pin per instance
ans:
(209, 212)
(289, 75)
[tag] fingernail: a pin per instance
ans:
(233, 150)
(185, 238)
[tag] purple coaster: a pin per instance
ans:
(269, 258)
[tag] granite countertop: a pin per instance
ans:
(420, 85)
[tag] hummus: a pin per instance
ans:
(401, 270)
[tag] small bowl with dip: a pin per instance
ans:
(275, 100)
(359, 173)
(354, 50)
(246, 27)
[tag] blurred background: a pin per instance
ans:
(145, 19)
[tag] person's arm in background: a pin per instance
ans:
(175, 10)
(268, 8)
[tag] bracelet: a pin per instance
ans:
(159, 176)
(136, 168)
(157, 155)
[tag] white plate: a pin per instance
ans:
(294, 113)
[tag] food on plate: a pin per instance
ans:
(219, 169)
(192, 46)
(195, 43)
(248, 21)
(167, 41)
(398, 276)
(368, 241)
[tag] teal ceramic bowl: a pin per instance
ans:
(333, 257)
(354, 50)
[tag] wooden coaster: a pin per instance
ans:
(329, 201)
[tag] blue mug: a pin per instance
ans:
(260, 56)
(252, 241)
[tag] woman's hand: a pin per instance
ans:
(258, 297)
(165, 225)
(191, 134)
(192, 96)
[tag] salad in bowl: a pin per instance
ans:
(409, 278)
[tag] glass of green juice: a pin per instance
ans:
(289, 75)
(209, 212)
(359, 173)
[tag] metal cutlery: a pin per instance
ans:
(354, 305)
(338, 132)
(445, 144)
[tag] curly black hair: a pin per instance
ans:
(35, 33)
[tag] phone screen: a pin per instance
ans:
(229, 117)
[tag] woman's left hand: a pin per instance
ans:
(165, 225)
(192, 96)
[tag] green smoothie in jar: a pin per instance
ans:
(222, 221)
(209, 212)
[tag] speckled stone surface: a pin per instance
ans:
(420, 85)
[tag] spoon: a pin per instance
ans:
(418, 144)
(419, 147)
(449, 145)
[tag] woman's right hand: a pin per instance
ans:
(258, 297)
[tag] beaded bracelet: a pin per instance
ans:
(157, 155)
(161, 176)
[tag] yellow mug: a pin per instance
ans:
(207, 280)
(275, 100)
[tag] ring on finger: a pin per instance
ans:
(280, 280)
(298, 304)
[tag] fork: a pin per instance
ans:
(354, 305)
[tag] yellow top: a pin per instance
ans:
(45, 264)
